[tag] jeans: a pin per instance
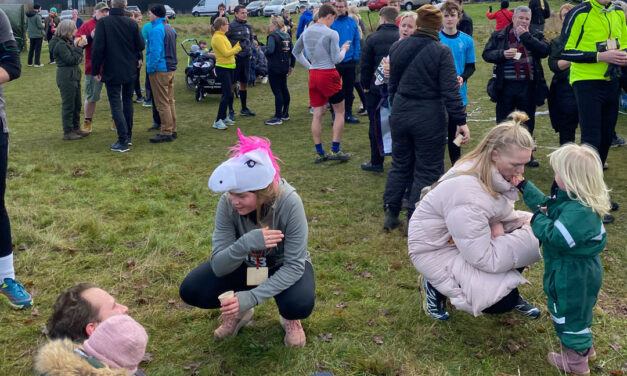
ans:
(201, 288)
(35, 50)
(347, 72)
(597, 102)
(278, 84)
(225, 76)
(122, 109)
(5, 226)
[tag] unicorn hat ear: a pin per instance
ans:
(253, 167)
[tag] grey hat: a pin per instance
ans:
(101, 6)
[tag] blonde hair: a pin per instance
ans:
(218, 23)
(565, 6)
(265, 200)
(412, 15)
(580, 169)
(355, 18)
(501, 138)
(279, 23)
(66, 29)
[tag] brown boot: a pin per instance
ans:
(294, 333)
(71, 136)
(230, 326)
(86, 126)
(570, 361)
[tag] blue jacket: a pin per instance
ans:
(161, 51)
(346, 27)
(304, 20)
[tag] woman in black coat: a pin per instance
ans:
(423, 89)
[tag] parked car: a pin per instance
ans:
(311, 4)
(169, 12)
(134, 8)
(44, 13)
(377, 4)
(276, 7)
(66, 14)
(255, 8)
(210, 7)
(415, 4)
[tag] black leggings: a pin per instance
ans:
(201, 288)
(225, 76)
(278, 84)
(5, 226)
(138, 86)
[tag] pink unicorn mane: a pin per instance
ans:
(250, 143)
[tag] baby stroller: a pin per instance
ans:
(200, 76)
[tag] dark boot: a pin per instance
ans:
(391, 220)
(81, 133)
(570, 361)
(71, 136)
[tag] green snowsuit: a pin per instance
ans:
(572, 237)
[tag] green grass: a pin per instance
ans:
(79, 213)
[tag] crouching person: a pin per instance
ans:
(259, 246)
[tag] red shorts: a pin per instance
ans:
(324, 84)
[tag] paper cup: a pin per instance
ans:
(458, 140)
(225, 296)
(517, 56)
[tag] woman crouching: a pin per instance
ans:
(259, 246)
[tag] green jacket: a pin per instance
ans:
(237, 238)
(34, 25)
(68, 57)
(572, 237)
(586, 25)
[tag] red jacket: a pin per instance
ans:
(86, 29)
(503, 18)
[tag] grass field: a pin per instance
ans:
(136, 223)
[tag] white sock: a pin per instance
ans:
(6, 268)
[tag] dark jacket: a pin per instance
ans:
(241, 32)
(68, 57)
(279, 53)
(423, 70)
(48, 26)
(377, 47)
(537, 46)
(213, 18)
(34, 25)
(465, 24)
(537, 14)
(562, 102)
(118, 46)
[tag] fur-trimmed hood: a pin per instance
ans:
(58, 358)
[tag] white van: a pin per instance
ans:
(210, 7)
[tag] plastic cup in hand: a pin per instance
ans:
(226, 296)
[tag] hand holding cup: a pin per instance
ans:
(229, 303)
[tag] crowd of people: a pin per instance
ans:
(464, 237)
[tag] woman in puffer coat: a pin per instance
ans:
(466, 239)
(68, 57)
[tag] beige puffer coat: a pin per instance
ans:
(450, 240)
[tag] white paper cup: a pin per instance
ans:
(225, 296)
(517, 56)
(458, 140)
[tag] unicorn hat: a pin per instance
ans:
(252, 167)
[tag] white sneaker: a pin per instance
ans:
(219, 125)
(227, 121)
(264, 80)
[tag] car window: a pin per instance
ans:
(276, 2)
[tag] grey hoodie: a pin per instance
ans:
(235, 237)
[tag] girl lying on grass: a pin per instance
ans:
(568, 223)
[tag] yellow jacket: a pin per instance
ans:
(225, 53)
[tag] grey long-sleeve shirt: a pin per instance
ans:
(321, 44)
(236, 239)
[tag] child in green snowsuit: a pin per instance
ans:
(569, 226)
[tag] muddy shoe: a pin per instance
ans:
(570, 361)
(231, 325)
(71, 136)
(391, 220)
(294, 333)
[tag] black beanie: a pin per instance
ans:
(158, 10)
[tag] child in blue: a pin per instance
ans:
(568, 224)
(463, 49)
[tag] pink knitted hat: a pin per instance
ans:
(119, 342)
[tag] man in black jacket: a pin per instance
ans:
(241, 31)
(517, 55)
(539, 12)
(377, 47)
(118, 47)
(465, 23)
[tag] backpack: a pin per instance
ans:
(282, 54)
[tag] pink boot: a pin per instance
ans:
(231, 325)
(570, 361)
(294, 333)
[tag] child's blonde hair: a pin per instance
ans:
(579, 167)
(501, 138)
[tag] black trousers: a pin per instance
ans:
(417, 149)
(156, 119)
(121, 104)
(226, 77)
(278, 84)
(563, 110)
(138, 86)
(347, 72)
(360, 92)
(598, 111)
(5, 226)
(454, 151)
(201, 288)
(372, 101)
(517, 95)
(35, 50)
(148, 93)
